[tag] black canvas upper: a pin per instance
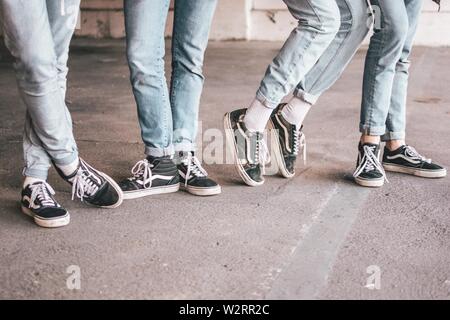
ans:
(191, 172)
(163, 172)
(44, 205)
(94, 189)
(289, 136)
(406, 156)
(248, 146)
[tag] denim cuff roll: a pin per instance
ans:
(265, 101)
(160, 152)
(36, 173)
(305, 96)
(372, 130)
(388, 136)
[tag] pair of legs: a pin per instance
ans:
(383, 108)
(168, 117)
(38, 35)
(311, 60)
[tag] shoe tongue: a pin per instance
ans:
(371, 145)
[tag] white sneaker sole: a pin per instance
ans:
(202, 192)
(279, 154)
(431, 174)
(128, 195)
(231, 142)
(47, 223)
(373, 183)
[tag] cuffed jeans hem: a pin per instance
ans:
(266, 102)
(372, 131)
(67, 160)
(185, 146)
(305, 96)
(388, 136)
(159, 152)
(35, 173)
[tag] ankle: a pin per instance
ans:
(393, 145)
(70, 168)
(257, 116)
(30, 180)
(370, 139)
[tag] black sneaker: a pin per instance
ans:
(38, 202)
(93, 187)
(249, 149)
(407, 160)
(154, 175)
(194, 178)
(290, 139)
(369, 171)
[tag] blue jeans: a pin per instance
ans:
(168, 120)
(318, 24)
(38, 35)
(355, 22)
(383, 110)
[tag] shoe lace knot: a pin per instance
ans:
(43, 192)
(142, 171)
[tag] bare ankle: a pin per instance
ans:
(394, 144)
(370, 139)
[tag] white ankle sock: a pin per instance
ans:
(257, 116)
(30, 180)
(295, 111)
(70, 168)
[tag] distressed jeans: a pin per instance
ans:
(168, 118)
(38, 35)
(383, 109)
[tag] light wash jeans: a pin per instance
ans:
(38, 34)
(168, 120)
(356, 20)
(383, 110)
(318, 24)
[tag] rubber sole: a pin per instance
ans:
(202, 192)
(231, 142)
(48, 223)
(279, 154)
(430, 174)
(370, 183)
(128, 195)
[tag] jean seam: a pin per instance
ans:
(372, 83)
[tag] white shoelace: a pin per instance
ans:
(300, 143)
(412, 152)
(42, 192)
(194, 168)
(369, 162)
(142, 170)
(262, 154)
(85, 183)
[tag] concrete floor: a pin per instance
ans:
(315, 236)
